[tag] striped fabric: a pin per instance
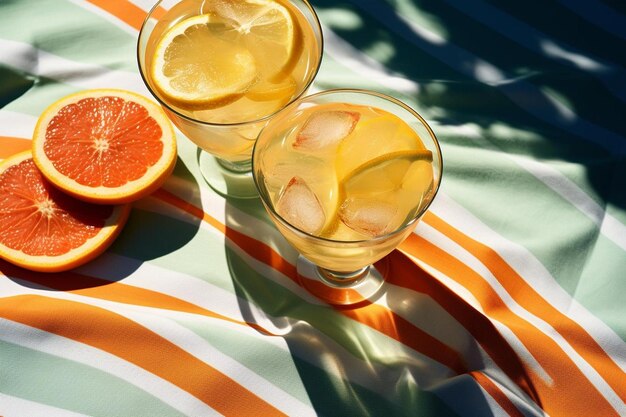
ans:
(507, 300)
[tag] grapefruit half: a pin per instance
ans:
(44, 229)
(105, 146)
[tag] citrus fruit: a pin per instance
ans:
(105, 146)
(44, 229)
(267, 29)
(196, 69)
(388, 172)
(373, 197)
(382, 194)
(212, 59)
(374, 138)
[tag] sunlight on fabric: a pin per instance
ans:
(362, 64)
(561, 104)
(340, 18)
(583, 62)
(487, 73)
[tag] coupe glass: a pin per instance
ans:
(225, 149)
(338, 271)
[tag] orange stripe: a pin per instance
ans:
(406, 274)
(266, 254)
(495, 392)
(76, 283)
(371, 315)
(526, 296)
(377, 317)
(126, 339)
(253, 247)
(126, 11)
(9, 146)
(567, 378)
(393, 325)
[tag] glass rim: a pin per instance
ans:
(317, 26)
(374, 240)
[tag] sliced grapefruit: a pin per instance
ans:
(44, 229)
(105, 146)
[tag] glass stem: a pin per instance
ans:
(239, 166)
(342, 279)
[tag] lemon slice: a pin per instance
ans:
(393, 171)
(390, 187)
(267, 29)
(196, 66)
(373, 139)
(281, 91)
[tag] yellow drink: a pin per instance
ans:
(345, 182)
(222, 67)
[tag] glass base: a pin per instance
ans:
(338, 288)
(229, 179)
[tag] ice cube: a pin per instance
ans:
(325, 128)
(300, 207)
(369, 217)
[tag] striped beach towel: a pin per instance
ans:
(507, 300)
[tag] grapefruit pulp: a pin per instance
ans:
(105, 146)
(42, 228)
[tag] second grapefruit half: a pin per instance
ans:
(44, 229)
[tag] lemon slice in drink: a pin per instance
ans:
(196, 67)
(393, 171)
(377, 196)
(267, 29)
(381, 194)
(373, 139)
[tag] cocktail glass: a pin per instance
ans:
(225, 134)
(352, 154)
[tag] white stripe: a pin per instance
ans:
(532, 271)
(18, 407)
(215, 299)
(301, 340)
(526, 407)
(484, 361)
(609, 226)
(39, 340)
(442, 241)
(17, 125)
(27, 58)
(365, 66)
(204, 351)
(523, 352)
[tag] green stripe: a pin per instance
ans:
(451, 95)
(253, 352)
(69, 31)
(32, 94)
(573, 84)
(521, 208)
(58, 382)
(569, 28)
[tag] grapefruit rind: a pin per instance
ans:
(154, 177)
(80, 255)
